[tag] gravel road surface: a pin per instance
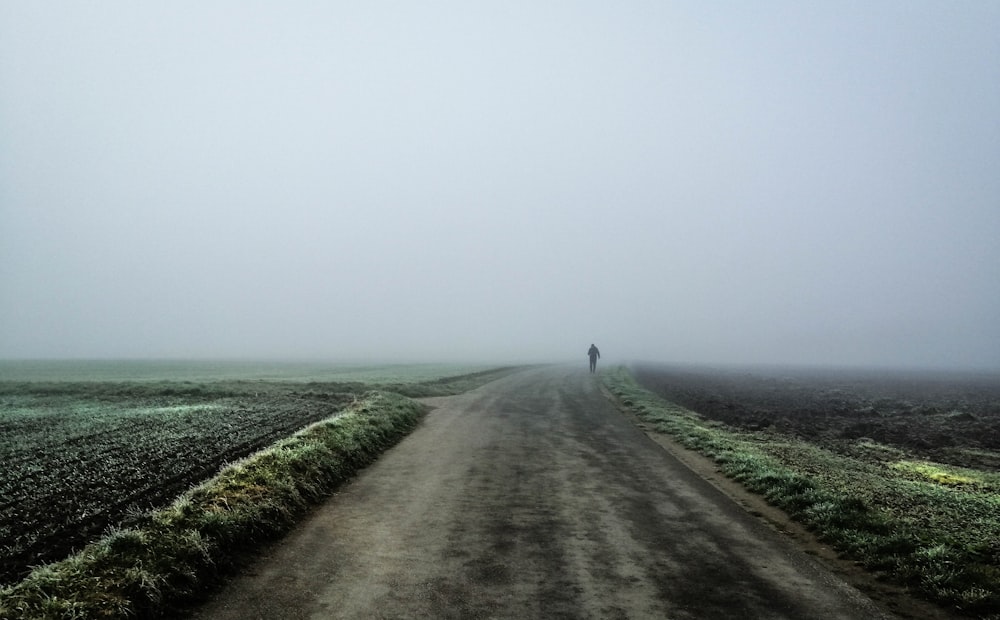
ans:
(534, 497)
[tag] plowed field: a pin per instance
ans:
(951, 418)
(78, 458)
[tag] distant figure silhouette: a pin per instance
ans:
(594, 356)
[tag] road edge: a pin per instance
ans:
(891, 598)
(178, 555)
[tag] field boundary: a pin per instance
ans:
(921, 562)
(174, 555)
(891, 596)
(80, 457)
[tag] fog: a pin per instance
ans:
(707, 182)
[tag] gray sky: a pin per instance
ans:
(795, 182)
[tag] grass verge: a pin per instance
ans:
(171, 556)
(931, 528)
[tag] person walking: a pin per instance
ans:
(594, 356)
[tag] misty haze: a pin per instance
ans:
(686, 182)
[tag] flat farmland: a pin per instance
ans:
(948, 417)
(897, 471)
(74, 462)
(83, 455)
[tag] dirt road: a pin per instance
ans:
(534, 497)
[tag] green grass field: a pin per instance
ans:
(201, 371)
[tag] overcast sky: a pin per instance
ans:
(786, 181)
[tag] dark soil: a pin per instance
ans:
(68, 490)
(67, 477)
(948, 417)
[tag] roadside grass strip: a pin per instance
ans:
(931, 527)
(78, 457)
(172, 556)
